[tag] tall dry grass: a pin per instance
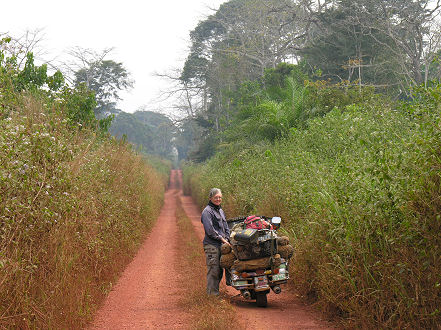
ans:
(359, 193)
(74, 206)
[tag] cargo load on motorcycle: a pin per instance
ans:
(257, 258)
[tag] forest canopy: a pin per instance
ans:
(327, 113)
(336, 47)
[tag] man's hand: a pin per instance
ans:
(225, 241)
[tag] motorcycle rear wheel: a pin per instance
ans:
(261, 299)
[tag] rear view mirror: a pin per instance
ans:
(275, 221)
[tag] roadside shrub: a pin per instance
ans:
(74, 203)
(74, 207)
(162, 166)
(359, 194)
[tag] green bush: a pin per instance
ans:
(74, 207)
(74, 204)
(359, 193)
(77, 103)
(286, 100)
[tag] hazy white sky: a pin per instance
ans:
(149, 36)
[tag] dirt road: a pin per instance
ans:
(147, 294)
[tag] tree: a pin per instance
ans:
(152, 132)
(236, 44)
(408, 24)
(18, 76)
(380, 43)
(17, 61)
(163, 131)
(104, 77)
(186, 136)
(19, 46)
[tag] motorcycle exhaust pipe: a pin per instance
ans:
(277, 289)
(246, 294)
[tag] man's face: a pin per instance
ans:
(216, 199)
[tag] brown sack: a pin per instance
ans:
(261, 263)
(227, 260)
(282, 241)
(286, 251)
(225, 248)
(277, 260)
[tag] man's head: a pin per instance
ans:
(215, 196)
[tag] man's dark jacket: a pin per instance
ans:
(215, 225)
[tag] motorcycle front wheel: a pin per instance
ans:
(261, 299)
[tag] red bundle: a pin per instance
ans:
(255, 222)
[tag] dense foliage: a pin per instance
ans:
(344, 145)
(353, 173)
(358, 190)
(74, 203)
(388, 45)
(150, 131)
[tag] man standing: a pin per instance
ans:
(216, 233)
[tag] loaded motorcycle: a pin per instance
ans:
(260, 257)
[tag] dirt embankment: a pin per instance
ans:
(147, 295)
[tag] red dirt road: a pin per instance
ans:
(147, 295)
